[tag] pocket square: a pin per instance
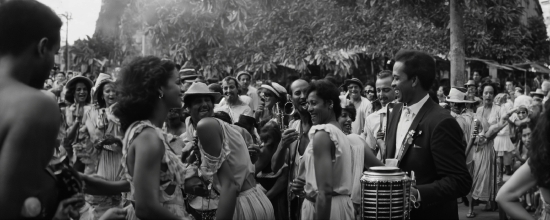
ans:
(416, 146)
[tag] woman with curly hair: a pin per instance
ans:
(148, 89)
(327, 161)
(534, 172)
(221, 154)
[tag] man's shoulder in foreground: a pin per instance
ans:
(19, 102)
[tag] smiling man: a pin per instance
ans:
(375, 124)
(424, 138)
(362, 105)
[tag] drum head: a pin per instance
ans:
(383, 171)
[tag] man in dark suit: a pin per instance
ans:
(424, 138)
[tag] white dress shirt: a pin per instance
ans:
(405, 124)
(372, 126)
(255, 99)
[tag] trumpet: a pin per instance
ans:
(279, 114)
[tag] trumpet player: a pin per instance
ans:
(273, 99)
(375, 125)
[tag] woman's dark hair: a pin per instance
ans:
(492, 85)
(100, 101)
(137, 88)
(327, 91)
(224, 116)
(539, 154)
(71, 89)
(350, 109)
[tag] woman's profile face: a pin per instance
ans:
(109, 94)
(80, 93)
(488, 94)
(172, 93)
(318, 109)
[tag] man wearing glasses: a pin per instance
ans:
(362, 105)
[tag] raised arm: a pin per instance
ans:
(284, 148)
(323, 154)
(148, 151)
(447, 150)
(28, 147)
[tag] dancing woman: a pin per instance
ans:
(224, 160)
(534, 172)
(148, 89)
(327, 160)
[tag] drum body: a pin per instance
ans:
(385, 193)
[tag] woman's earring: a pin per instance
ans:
(161, 95)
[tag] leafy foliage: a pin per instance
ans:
(224, 35)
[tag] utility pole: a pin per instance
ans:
(458, 76)
(68, 16)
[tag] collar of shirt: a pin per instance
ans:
(415, 108)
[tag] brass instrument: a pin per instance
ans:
(279, 114)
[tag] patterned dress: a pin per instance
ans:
(174, 176)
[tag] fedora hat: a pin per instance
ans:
(538, 92)
(276, 88)
(199, 88)
(470, 82)
(246, 121)
(81, 79)
(188, 75)
(457, 96)
(353, 80)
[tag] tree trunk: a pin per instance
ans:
(458, 75)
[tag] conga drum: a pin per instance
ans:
(385, 193)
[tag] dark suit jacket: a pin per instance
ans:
(437, 157)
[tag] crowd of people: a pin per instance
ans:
(158, 141)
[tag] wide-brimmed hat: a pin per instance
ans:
(243, 73)
(199, 88)
(82, 79)
(457, 96)
(188, 75)
(538, 92)
(102, 79)
(276, 88)
(353, 80)
(470, 82)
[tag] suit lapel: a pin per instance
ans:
(425, 108)
(391, 128)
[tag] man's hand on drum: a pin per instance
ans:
(289, 136)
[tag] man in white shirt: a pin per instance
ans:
(424, 138)
(244, 79)
(362, 105)
(373, 126)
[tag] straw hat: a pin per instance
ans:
(199, 88)
(188, 75)
(457, 96)
(274, 87)
(101, 80)
(243, 73)
(81, 79)
(470, 83)
(354, 80)
(538, 92)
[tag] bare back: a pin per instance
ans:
(29, 122)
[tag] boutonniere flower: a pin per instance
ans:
(410, 137)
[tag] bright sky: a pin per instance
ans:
(84, 16)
